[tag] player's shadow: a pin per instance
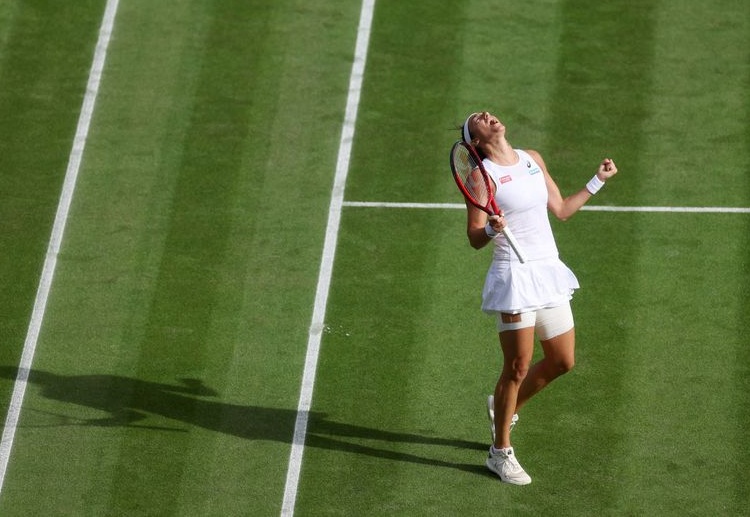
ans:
(129, 402)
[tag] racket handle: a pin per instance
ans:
(514, 244)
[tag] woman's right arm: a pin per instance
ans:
(476, 221)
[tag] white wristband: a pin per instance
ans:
(489, 230)
(594, 185)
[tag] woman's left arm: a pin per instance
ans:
(564, 208)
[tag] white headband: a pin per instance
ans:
(466, 134)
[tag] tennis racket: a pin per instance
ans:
(475, 184)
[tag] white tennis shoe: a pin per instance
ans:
(491, 416)
(504, 464)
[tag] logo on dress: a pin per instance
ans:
(535, 170)
(505, 179)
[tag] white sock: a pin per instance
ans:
(505, 450)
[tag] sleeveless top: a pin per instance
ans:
(543, 281)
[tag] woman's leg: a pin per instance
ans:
(559, 358)
(518, 350)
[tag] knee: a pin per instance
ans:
(564, 365)
(515, 372)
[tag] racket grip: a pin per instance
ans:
(514, 244)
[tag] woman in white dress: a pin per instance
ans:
(533, 297)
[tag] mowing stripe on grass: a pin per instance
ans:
(589, 208)
(48, 271)
(329, 250)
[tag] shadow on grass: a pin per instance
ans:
(129, 401)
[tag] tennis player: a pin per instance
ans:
(527, 298)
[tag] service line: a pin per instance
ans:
(587, 208)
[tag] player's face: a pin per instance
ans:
(485, 127)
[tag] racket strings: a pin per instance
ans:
(471, 176)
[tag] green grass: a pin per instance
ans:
(168, 370)
(43, 70)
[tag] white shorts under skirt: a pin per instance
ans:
(548, 323)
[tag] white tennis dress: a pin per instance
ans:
(543, 280)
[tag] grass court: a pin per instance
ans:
(168, 365)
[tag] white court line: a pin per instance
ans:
(682, 209)
(63, 207)
(326, 266)
(587, 208)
